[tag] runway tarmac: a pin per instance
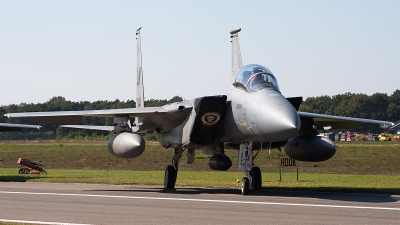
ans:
(54, 203)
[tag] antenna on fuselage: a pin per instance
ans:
(236, 54)
(139, 84)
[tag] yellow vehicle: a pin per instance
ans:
(386, 137)
(361, 137)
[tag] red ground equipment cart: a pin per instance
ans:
(27, 165)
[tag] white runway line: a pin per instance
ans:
(203, 200)
(39, 222)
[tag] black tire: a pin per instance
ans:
(256, 178)
(170, 177)
(26, 171)
(21, 171)
(245, 186)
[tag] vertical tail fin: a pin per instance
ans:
(139, 84)
(236, 54)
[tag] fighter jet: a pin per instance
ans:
(253, 114)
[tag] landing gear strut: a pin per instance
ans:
(253, 178)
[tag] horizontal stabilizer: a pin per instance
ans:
(88, 127)
(4, 127)
(91, 127)
(396, 125)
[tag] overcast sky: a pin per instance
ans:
(86, 50)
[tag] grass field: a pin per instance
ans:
(357, 166)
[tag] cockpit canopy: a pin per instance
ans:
(255, 77)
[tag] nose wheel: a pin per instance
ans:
(252, 182)
(255, 174)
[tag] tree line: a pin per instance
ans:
(378, 106)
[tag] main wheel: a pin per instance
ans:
(245, 186)
(26, 171)
(256, 178)
(21, 171)
(170, 177)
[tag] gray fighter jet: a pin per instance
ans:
(252, 115)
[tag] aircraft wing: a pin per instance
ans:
(4, 127)
(164, 117)
(339, 122)
(96, 113)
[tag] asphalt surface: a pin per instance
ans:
(49, 203)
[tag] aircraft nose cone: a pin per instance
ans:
(278, 121)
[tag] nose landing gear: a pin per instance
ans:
(253, 178)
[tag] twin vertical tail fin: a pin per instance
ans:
(236, 65)
(139, 84)
(236, 54)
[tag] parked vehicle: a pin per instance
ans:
(361, 137)
(330, 136)
(373, 137)
(351, 136)
(386, 137)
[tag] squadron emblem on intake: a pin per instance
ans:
(210, 118)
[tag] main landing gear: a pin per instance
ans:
(171, 172)
(170, 178)
(253, 179)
